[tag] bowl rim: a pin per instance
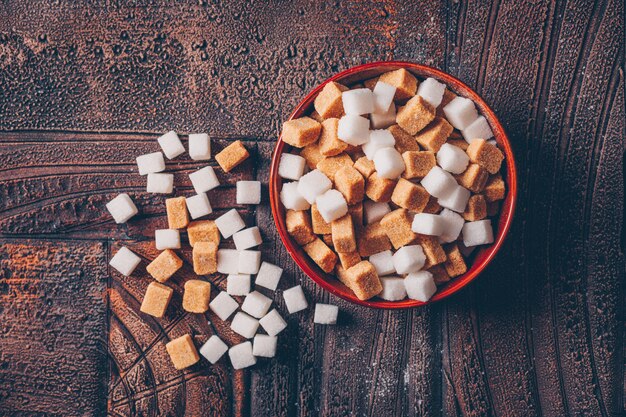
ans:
(482, 258)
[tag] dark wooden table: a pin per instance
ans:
(86, 87)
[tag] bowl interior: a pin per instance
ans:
(479, 259)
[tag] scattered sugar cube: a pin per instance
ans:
(213, 349)
(409, 259)
(264, 345)
(452, 158)
(291, 166)
(420, 286)
(478, 129)
(453, 223)
(167, 239)
(248, 192)
(431, 91)
(384, 120)
(244, 325)
(160, 183)
(198, 205)
(439, 183)
(249, 262)
(313, 184)
(199, 146)
(238, 284)
(228, 261)
(156, 299)
(229, 223)
(241, 355)
(291, 197)
(247, 238)
(223, 305)
(204, 258)
(326, 313)
(428, 224)
(171, 145)
(196, 296)
(379, 139)
(358, 101)
(383, 97)
(460, 112)
(204, 180)
(182, 352)
(295, 299)
(331, 205)
(164, 265)
(122, 208)
(477, 233)
(256, 304)
(150, 163)
(125, 261)
(389, 163)
(273, 323)
(269, 276)
(177, 216)
(232, 155)
(375, 211)
(353, 129)
(383, 262)
(393, 289)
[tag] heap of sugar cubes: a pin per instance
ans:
(390, 184)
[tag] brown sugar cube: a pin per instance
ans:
(203, 231)
(233, 155)
(397, 226)
(316, 116)
(370, 83)
(410, 196)
(486, 155)
(299, 226)
(404, 141)
(448, 96)
(404, 81)
(415, 116)
(363, 280)
(493, 208)
(344, 240)
(494, 188)
(164, 265)
(182, 352)
(205, 258)
(329, 166)
(321, 254)
(328, 239)
(356, 211)
(476, 208)
(379, 189)
(455, 264)
(328, 102)
(320, 227)
(372, 239)
(432, 207)
(330, 144)
(459, 143)
(312, 155)
(439, 274)
(177, 217)
(473, 178)
(300, 132)
(418, 163)
(196, 296)
(350, 183)
(348, 259)
(432, 249)
(434, 135)
(365, 166)
(156, 299)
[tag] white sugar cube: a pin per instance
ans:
(125, 261)
(273, 323)
(238, 284)
(171, 145)
(428, 224)
(244, 325)
(393, 289)
(389, 163)
(247, 238)
(358, 101)
(453, 223)
(150, 162)
(241, 355)
(456, 200)
(264, 346)
(204, 180)
(198, 205)
(420, 286)
(313, 184)
(122, 208)
(291, 166)
(167, 239)
(438, 183)
(229, 223)
(375, 211)
(248, 192)
(213, 349)
(199, 146)
(223, 305)
(478, 129)
(325, 314)
(227, 261)
(295, 299)
(383, 97)
(256, 304)
(460, 112)
(452, 158)
(353, 129)
(268, 276)
(383, 263)
(249, 261)
(331, 205)
(379, 139)
(431, 91)
(383, 120)
(291, 197)
(160, 183)
(477, 233)
(409, 259)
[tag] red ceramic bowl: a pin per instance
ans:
(479, 260)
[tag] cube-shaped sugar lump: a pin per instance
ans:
(415, 115)
(383, 120)
(238, 284)
(125, 261)
(291, 197)
(478, 129)
(393, 289)
(321, 254)
(418, 163)
(213, 349)
(268, 276)
(199, 146)
(431, 91)
(439, 183)
(232, 155)
(156, 299)
(122, 208)
(244, 325)
(204, 258)
(452, 158)
(420, 286)
(453, 224)
(159, 183)
(229, 223)
(460, 112)
(409, 259)
(164, 265)
(247, 238)
(476, 208)
(228, 261)
(199, 206)
(410, 196)
(326, 313)
(350, 183)
(375, 211)
(389, 163)
(358, 101)
(404, 81)
(196, 296)
(295, 299)
(330, 165)
(383, 262)
(379, 139)
(203, 231)
(248, 192)
(353, 129)
(273, 323)
(256, 304)
(379, 189)
(434, 135)
(182, 352)
(167, 239)
(383, 97)
(313, 184)
(223, 305)
(204, 180)
(301, 132)
(291, 166)
(397, 227)
(362, 280)
(477, 233)
(328, 102)
(329, 143)
(486, 155)
(150, 162)
(177, 216)
(455, 200)
(264, 346)
(404, 141)
(364, 166)
(171, 145)
(241, 355)
(249, 261)
(331, 205)
(428, 224)
(455, 264)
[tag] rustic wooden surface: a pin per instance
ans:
(85, 87)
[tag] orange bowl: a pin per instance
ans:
(480, 259)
